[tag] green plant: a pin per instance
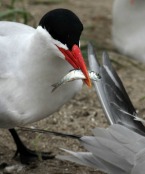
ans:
(11, 12)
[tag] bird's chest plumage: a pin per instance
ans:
(28, 95)
(30, 65)
(42, 101)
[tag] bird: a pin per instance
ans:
(32, 59)
(120, 148)
(128, 28)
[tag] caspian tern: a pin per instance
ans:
(31, 60)
(128, 28)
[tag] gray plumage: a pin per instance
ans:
(119, 149)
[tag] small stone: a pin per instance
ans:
(13, 169)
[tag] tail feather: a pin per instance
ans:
(140, 163)
(83, 158)
(116, 149)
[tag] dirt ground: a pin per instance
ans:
(83, 112)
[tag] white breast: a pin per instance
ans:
(27, 71)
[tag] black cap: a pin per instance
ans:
(63, 25)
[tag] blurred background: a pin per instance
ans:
(83, 112)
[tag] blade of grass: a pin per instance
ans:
(12, 12)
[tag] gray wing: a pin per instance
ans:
(95, 66)
(121, 147)
(113, 97)
(115, 150)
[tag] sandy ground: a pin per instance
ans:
(83, 112)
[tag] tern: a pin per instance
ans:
(120, 148)
(128, 28)
(31, 60)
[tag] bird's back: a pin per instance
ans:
(14, 28)
(12, 35)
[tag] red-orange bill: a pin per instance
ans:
(78, 55)
(76, 59)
